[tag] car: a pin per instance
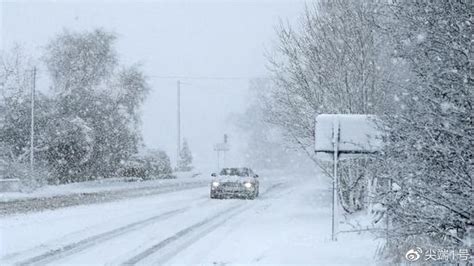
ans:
(235, 182)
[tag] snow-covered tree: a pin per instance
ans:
(335, 62)
(185, 158)
(70, 146)
(338, 61)
(16, 81)
(429, 157)
(90, 123)
(163, 165)
(79, 62)
(90, 85)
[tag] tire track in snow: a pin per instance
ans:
(234, 210)
(80, 245)
(207, 230)
(78, 235)
(153, 249)
(77, 246)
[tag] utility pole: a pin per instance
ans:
(32, 129)
(178, 146)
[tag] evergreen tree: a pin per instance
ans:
(185, 158)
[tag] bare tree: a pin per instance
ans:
(338, 61)
(428, 158)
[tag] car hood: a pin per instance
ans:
(234, 179)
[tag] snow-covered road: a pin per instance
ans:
(288, 223)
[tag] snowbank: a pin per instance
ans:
(102, 185)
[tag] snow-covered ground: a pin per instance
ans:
(289, 223)
(107, 184)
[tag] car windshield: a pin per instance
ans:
(235, 171)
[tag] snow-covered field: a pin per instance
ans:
(289, 223)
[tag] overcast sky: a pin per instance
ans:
(170, 38)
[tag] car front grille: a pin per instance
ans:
(232, 186)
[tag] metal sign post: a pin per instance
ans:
(335, 142)
(343, 134)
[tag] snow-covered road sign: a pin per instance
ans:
(344, 134)
(357, 133)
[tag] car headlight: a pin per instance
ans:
(248, 185)
(215, 184)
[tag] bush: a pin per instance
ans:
(151, 164)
